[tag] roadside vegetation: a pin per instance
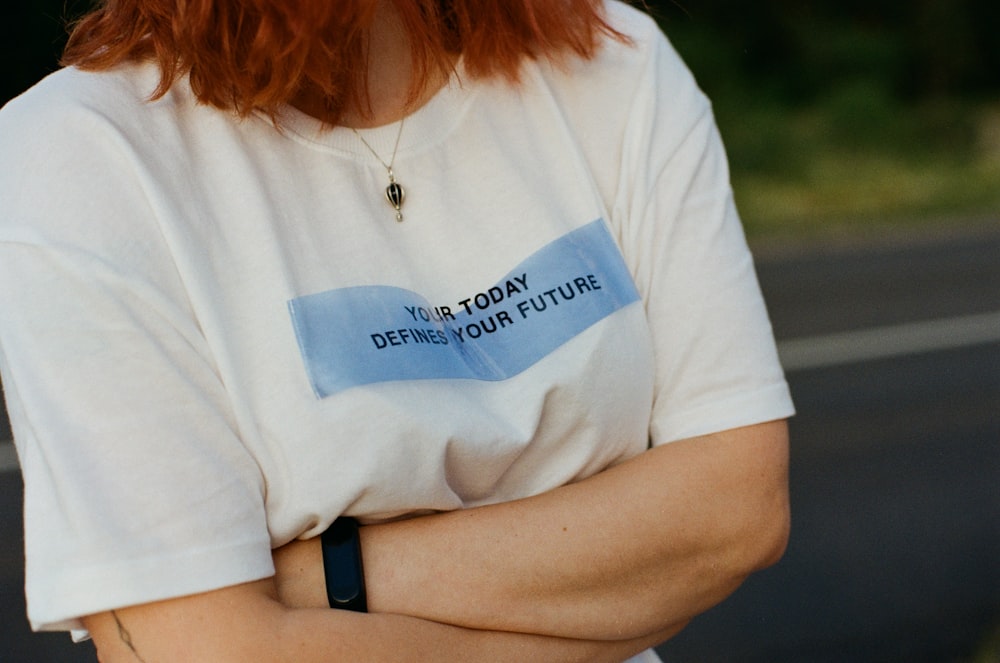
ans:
(863, 162)
(850, 117)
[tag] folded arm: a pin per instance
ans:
(248, 623)
(650, 542)
(591, 571)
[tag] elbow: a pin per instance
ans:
(752, 544)
(770, 536)
(756, 543)
(758, 537)
(766, 516)
(765, 528)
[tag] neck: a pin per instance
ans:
(389, 80)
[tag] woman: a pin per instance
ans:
(468, 272)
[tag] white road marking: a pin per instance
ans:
(831, 349)
(890, 341)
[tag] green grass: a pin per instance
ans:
(859, 161)
(839, 191)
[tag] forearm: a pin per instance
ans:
(646, 544)
(245, 623)
(653, 541)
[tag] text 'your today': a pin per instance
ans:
(449, 323)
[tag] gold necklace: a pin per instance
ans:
(394, 193)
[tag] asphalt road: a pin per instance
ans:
(895, 551)
(895, 476)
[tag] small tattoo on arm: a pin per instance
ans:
(126, 637)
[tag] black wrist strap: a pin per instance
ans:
(345, 575)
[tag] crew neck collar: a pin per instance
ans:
(426, 125)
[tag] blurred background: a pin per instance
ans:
(864, 140)
(850, 112)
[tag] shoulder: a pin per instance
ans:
(73, 147)
(113, 112)
(91, 135)
(73, 118)
(72, 93)
(74, 113)
(624, 72)
(645, 40)
(633, 103)
(629, 20)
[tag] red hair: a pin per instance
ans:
(259, 54)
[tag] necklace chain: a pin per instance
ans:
(394, 193)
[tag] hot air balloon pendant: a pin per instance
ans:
(395, 195)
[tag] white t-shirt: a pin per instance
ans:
(215, 337)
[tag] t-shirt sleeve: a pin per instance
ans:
(716, 363)
(137, 486)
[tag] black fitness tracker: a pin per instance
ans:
(345, 576)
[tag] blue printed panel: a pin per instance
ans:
(363, 335)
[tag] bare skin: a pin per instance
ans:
(654, 541)
(239, 624)
(389, 79)
(593, 571)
